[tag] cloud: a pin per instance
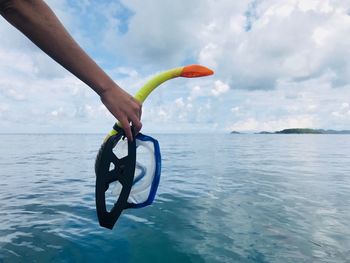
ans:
(271, 125)
(160, 33)
(252, 44)
(235, 110)
(284, 40)
(277, 63)
(315, 103)
(343, 112)
(219, 88)
(3, 110)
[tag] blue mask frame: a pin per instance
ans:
(157, 172)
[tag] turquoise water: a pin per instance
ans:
(222, 198)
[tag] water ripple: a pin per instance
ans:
(227, 198)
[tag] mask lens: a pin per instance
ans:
(147, 171)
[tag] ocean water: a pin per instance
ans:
(222, 198)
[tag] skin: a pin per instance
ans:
(37, 21)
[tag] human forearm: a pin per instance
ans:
(37, 21)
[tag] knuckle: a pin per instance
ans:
(138, 126)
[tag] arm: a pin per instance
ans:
(38, 22)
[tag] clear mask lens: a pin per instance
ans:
(147, 172)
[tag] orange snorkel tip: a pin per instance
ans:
(195, 71)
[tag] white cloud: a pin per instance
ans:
(321, 36)
(3, 109)
(247, 125)
(208, 55)
(179, 102)
(285, 41)
(196, 91)
(344, 105)
(124, 72)
(159, 32)
(277, 63)
(220, 88)
(271, 125)
(235, 110)
(343, 113)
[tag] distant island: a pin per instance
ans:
(302, 131)
(307, 131)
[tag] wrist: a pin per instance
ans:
(104, 87)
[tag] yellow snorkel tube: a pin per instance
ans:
(191, 71)
(125, 170)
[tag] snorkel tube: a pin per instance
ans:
(110, 168)
(191, 71)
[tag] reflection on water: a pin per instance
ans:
(222, 198)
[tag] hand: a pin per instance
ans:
(124, 107)
(39, 23)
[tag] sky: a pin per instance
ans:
(278, 64)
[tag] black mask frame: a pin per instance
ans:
(123, 172)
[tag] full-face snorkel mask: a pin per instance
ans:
(133, 167)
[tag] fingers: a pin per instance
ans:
(125, 108)
(136, 116)
(137, 125)
(132, 117)
(127, 129)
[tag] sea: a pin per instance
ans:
(221, 198)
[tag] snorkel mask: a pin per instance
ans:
(133, 167)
